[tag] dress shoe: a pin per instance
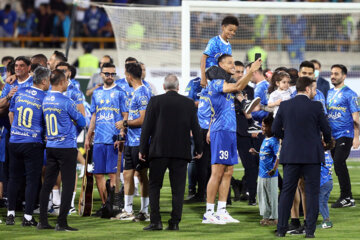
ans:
(65, 228)
(153, 226)
(26, 223)
(277, 234)
(10, 220)
(173, 227)
(41, 226)
(309, 236)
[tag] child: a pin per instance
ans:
(267, 188)
(279, 80)
(326, 185)
(218, 46)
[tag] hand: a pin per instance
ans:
(119, 124)
(271, 172)
(203, 81)
(278, 102)
(197, 155)
(240, 97)
(256, 65)
(253, 151)
(98, 85)
(122, 133)
(142, 157)
(10, 79)
(12, 92)
(254, 135)
(356, 143)
(116, 144)
(208, 137)
(330, 145)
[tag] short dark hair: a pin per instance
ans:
(230, 20)
(56, 77)
(60, 56)
(316, 61)
(279, 69)
(342, 67)
(11, 68)
(307, 64)
(107, 65)
(34, 66)
(73, 72)
(39, 58)
(303, 82)
(268, 121)
(63, 64)
(7, 58)
(107, 56)
(222, 57)
(134, 69)
(131, 59)
(239, 63)
(293, 72)
(24, 59)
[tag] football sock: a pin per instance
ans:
(129, 203)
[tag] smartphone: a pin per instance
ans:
(257, 56)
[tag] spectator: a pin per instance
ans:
(134, 35)
(7, 22)
(94, 20)
(80, 15)
(61, 25)
(45, 20)
(87, 63)
(27, 23)
(295, 29)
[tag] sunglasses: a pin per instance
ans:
(107, 74)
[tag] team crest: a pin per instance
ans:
(52, 98)
(33, 92)
(112, 95)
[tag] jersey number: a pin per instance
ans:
(51, 124)
(224, 154)
(25, 117)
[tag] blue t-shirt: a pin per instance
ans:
(139, 101)
(223, 107)
(193, 89)
(340, 105)
(74, 94)
(261, 90)
(108, 105)
(94, 20)
(326, 169)
(124, 85)
(7, 21)
(27, 83)
(59, 114)
(204, 109)
(268, 151)
(28, 124)
(214, 49)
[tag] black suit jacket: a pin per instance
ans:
(323, 86)
(299, 122)
(166, 129)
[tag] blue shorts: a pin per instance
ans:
(223, 148)
(105, 158)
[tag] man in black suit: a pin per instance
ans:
(322, 84)
(299, 122)
(165, 143)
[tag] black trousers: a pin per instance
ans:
(340, 154)
(63, 160)
(203, 166)
(177, 175)
(292, 173)
(250, 163)
(25, 159)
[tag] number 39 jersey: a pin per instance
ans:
(28, 124)
(59, 114)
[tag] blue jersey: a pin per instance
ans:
(214, 49)
(268, 154)
(139, 102)
(74, 94)
(28, 124)
(124, 85)
(27, 83)
(204, 109)
(59, 114)
(326, 169)
(223, 107)
(193, 89)
(340, 105)
(76, 83)
(107, 104)
(261, 90)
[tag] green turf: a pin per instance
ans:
(346, 221)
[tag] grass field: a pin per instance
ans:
(346, 221)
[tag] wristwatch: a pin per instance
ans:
(125, 123)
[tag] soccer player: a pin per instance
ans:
(26, 147)
(218, 45)
(223, 139)
(108, 106)
(137, 107)
(60, 114)
(343, 115)
(55, 59)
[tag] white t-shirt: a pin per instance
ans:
(279, 94)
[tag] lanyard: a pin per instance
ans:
(335, 95)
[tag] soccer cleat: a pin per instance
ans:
(254, 128)
(251, 104)
(324, 225)
(10, 220)
(141, 217)
(343, 202)
(211, 218)
(124, 216)
(225, 216)
(26, 223)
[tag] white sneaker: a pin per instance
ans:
(211, 218)
(55, 209)
(124, 216)
(72, 210)
(225, 216)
